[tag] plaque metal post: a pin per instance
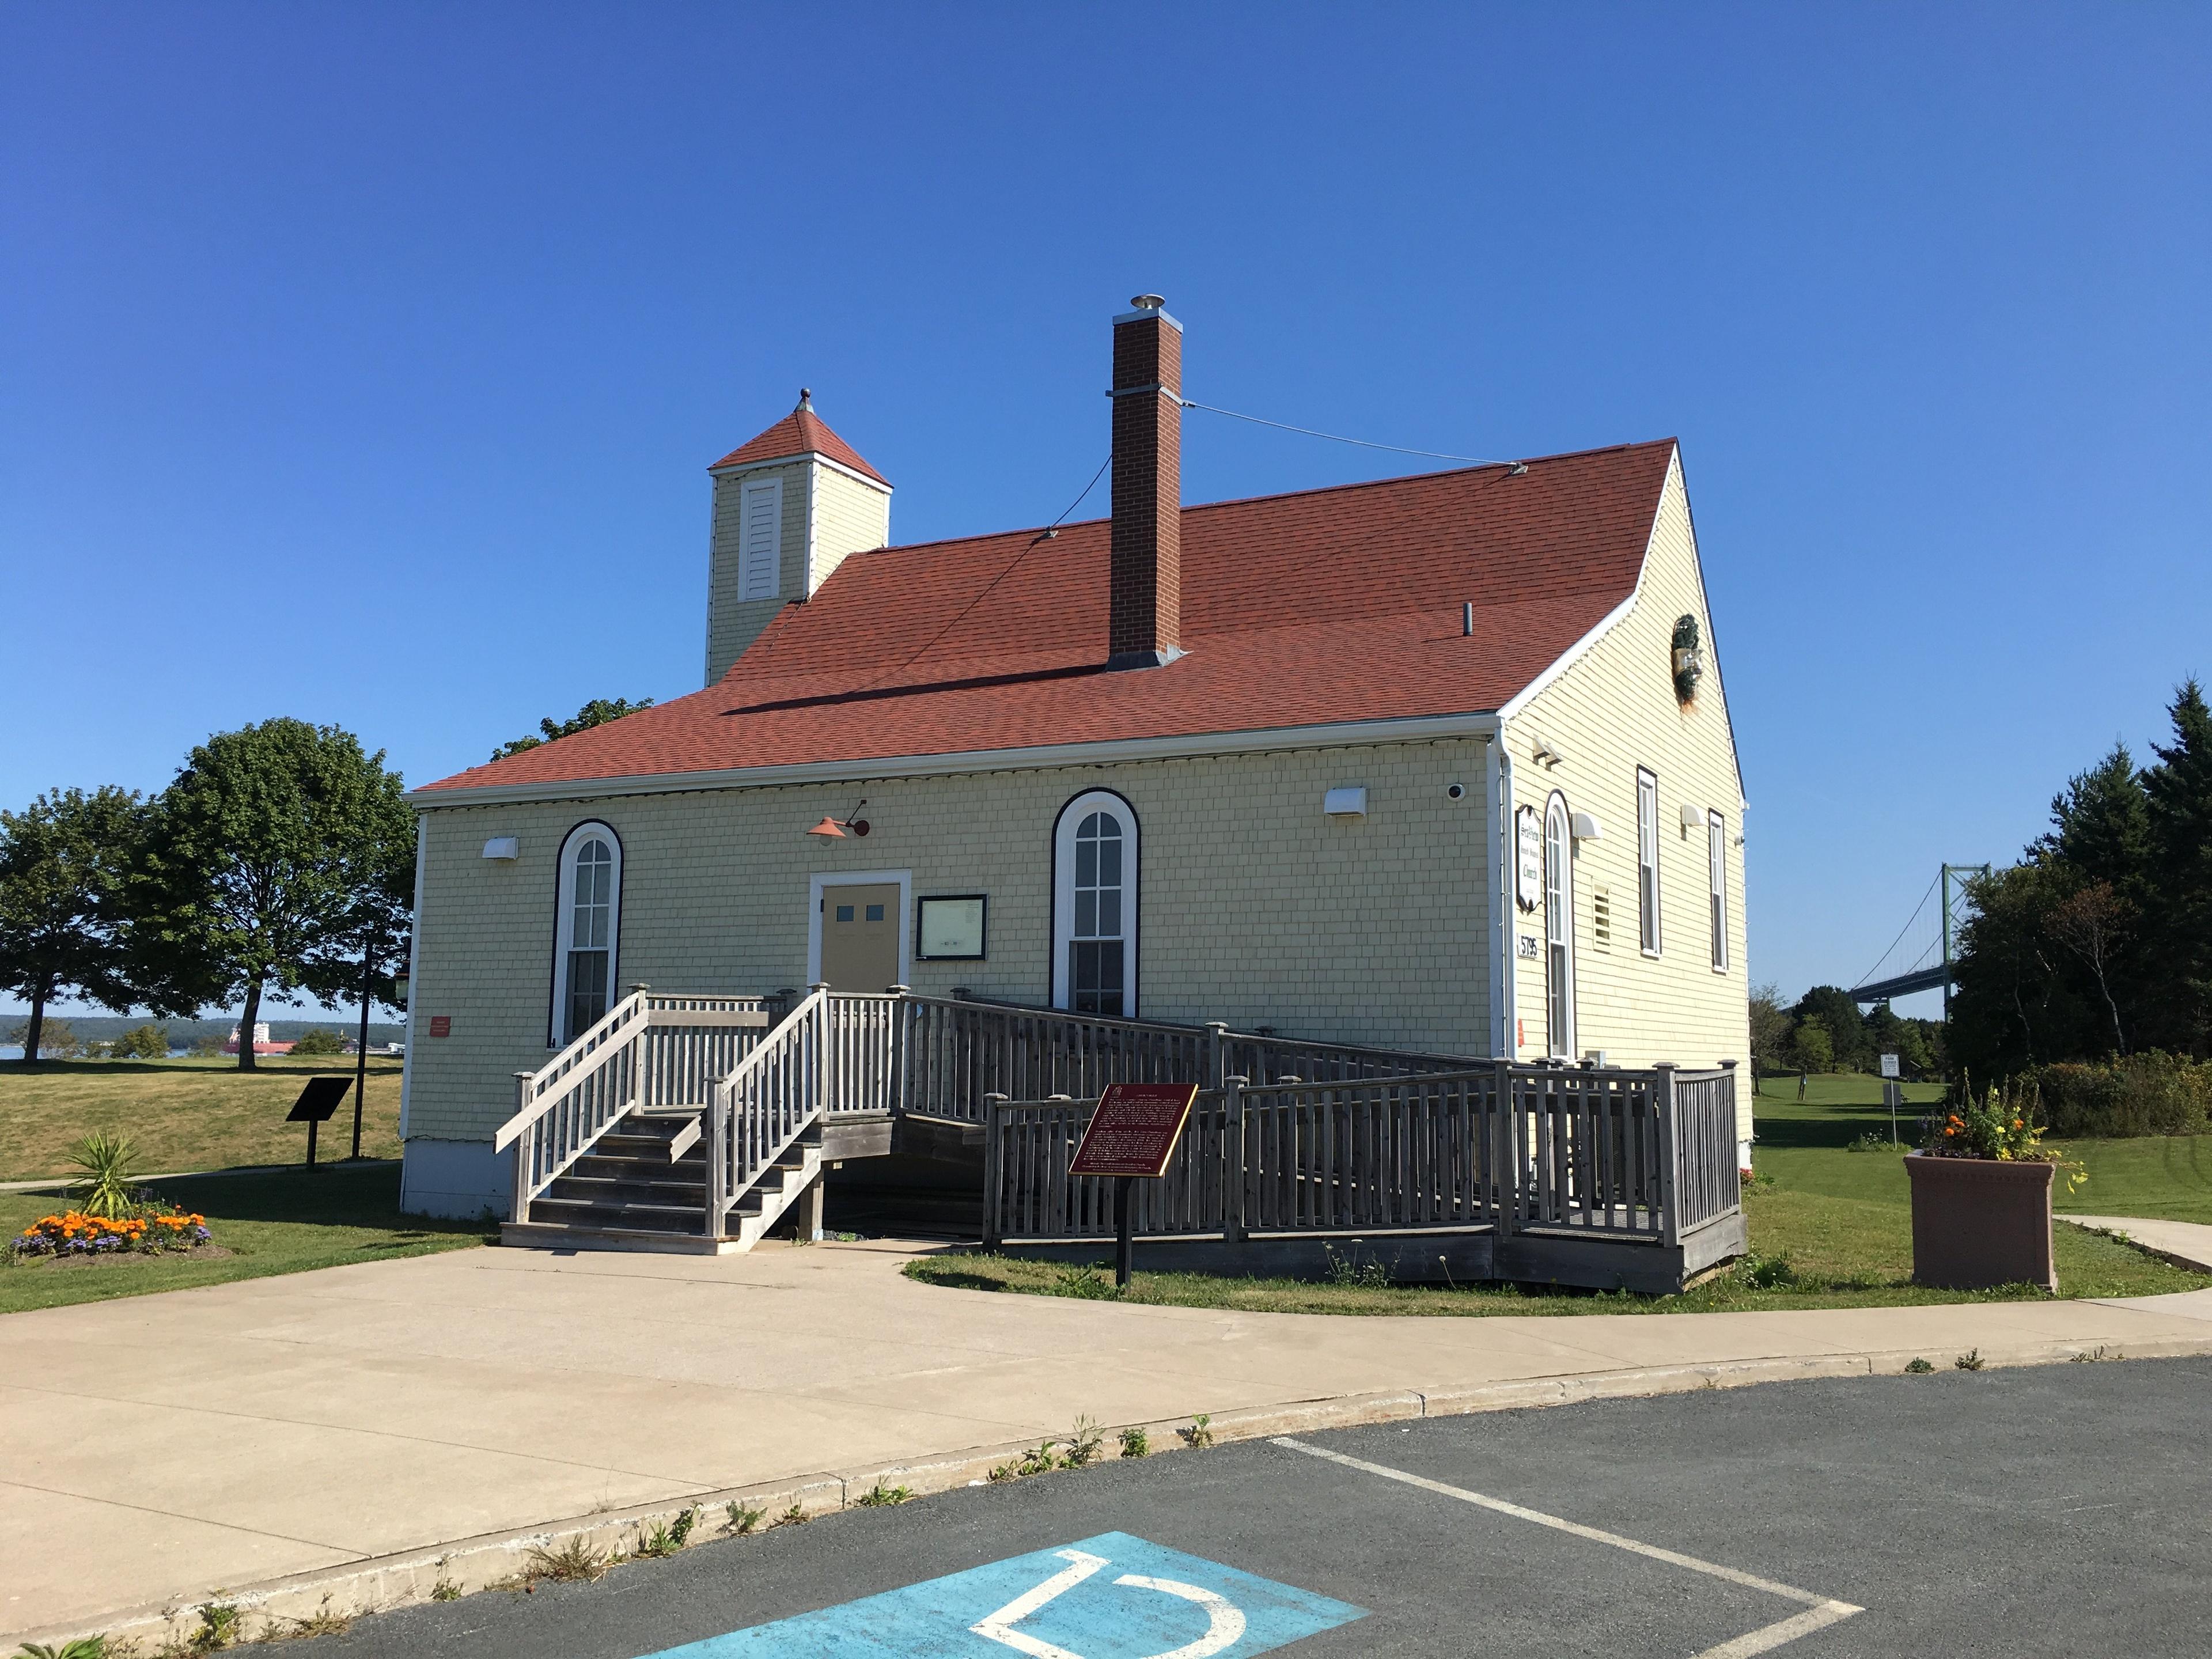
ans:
(1124, 1243)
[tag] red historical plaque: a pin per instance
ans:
(1134, 1130)
(441, 1025)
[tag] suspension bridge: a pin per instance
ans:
(1920, 957)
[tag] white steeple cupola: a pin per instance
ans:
(789, 506)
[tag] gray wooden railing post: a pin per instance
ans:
(816, 1054)
(525, 1150)
(895, 1084)
(1217, 1055)
(1232, 1160)
(718, 1152)
(993, 1164)
(640, 1048)
(1728, 1067)
(1670, 1154)
(1504, 1155)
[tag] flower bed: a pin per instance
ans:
(150, 1230)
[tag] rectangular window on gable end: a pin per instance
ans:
(1716, 861)
(760, 539)
(1647, 859)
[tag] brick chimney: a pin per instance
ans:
(1146, 610)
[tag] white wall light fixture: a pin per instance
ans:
(1345, 803)
(1584, 826)
(506, 848)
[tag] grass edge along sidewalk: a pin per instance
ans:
(263, 1222)
(326, 1600)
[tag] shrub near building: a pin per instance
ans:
(2145, 1094)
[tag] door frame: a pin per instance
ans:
(821, 879)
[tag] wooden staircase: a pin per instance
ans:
(643, 1186)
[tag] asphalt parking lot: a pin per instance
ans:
(2057, 1510)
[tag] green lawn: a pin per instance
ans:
(1804, 1148)
(284, 1222)
(182, 1114)
(1841, 1220)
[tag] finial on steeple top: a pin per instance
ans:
(806, 399)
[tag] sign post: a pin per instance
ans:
(1131, 1136)
(315, 1104)
(1893, 1092)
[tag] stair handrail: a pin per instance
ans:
(765, 1104)
(564, 1106)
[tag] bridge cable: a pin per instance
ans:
(1866, 978)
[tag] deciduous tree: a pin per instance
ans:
(597, 712)
(253, 862)
(64, 867)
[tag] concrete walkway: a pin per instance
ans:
(155, 1448)
(2188, 1243)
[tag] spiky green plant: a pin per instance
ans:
(110, 1166)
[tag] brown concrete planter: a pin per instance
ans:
(1980, 1222)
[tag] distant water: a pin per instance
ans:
(14, 1051)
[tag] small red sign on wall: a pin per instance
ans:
(441, 1025)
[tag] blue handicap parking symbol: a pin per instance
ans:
(1109, 1597)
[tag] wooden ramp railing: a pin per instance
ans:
(656, 1051)
(952, 1053)
(1290, 1136)
(1630, 1156)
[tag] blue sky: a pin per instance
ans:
(362, 363)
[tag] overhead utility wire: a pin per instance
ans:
(1307, 431)
(1049, 532)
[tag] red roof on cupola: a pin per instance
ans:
(799, 433)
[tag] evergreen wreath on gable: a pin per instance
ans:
(1689, 660)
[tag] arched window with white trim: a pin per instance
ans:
(1094, 947)
(587, 931)
(1558, 930)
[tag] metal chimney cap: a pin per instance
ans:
(1147, 302)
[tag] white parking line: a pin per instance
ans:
(1820, 1610)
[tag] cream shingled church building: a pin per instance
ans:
(1440, 763)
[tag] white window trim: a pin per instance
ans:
(1651, 936)
(1063, 893)
(774, 489)
(1717, 880)
(564, 924)
(1555, 812)
(825, 879)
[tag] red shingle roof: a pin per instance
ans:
(1327, 605)
(799, 433)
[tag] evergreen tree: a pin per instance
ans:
(2179, 792)
(2101, 823)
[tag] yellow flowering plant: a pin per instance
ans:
(2004, 1123)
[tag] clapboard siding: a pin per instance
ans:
(1256, 908)
(1612, 710)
